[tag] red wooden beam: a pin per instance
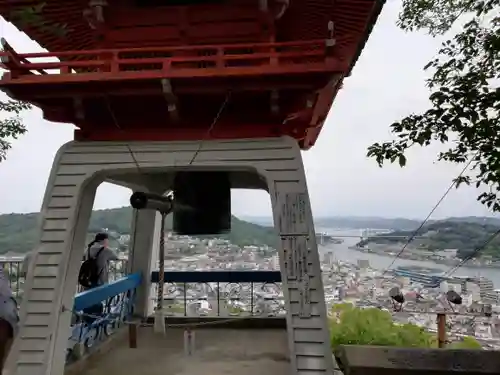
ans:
(238, 132)
(40, 93)
(188, 73)
(167, 63)
(230, 49)
(185, 134)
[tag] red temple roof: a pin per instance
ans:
(303, 20)
(290, 54)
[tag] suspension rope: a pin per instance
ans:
(127, 145)
(161, 265)
(415, 233)
(211, 127)
(473, 254)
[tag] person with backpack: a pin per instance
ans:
(95, 267)
(94, 270)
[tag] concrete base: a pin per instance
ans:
(79, 366)
(218, 352)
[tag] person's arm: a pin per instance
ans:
(110, 255)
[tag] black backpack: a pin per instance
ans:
(88, 277)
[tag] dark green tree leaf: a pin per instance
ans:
(12, 126)
(465, 98)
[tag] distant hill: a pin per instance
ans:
(374, 222)
(18, 232)
(266, 221)
(353, 222)
(464, 234)
(347, 222)
(476, 219)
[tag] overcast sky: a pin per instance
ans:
(387, 84)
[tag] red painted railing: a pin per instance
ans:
(187, 61)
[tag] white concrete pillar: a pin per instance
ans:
(143, 256)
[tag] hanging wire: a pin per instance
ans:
(127, 145)
(414, 234)
(473, 254)
(200, 144)
(161, 270)
(211, 127)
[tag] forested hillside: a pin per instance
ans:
(18, 232)
(466, 236)
(354, 222)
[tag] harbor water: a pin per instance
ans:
(343, 253)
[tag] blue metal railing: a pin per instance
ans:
(187, 294)
(222, 293)
(99, 312)
(12, 268)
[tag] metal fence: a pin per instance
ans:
(221, 293)
(195, 293)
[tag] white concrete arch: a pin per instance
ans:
(78, 169)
